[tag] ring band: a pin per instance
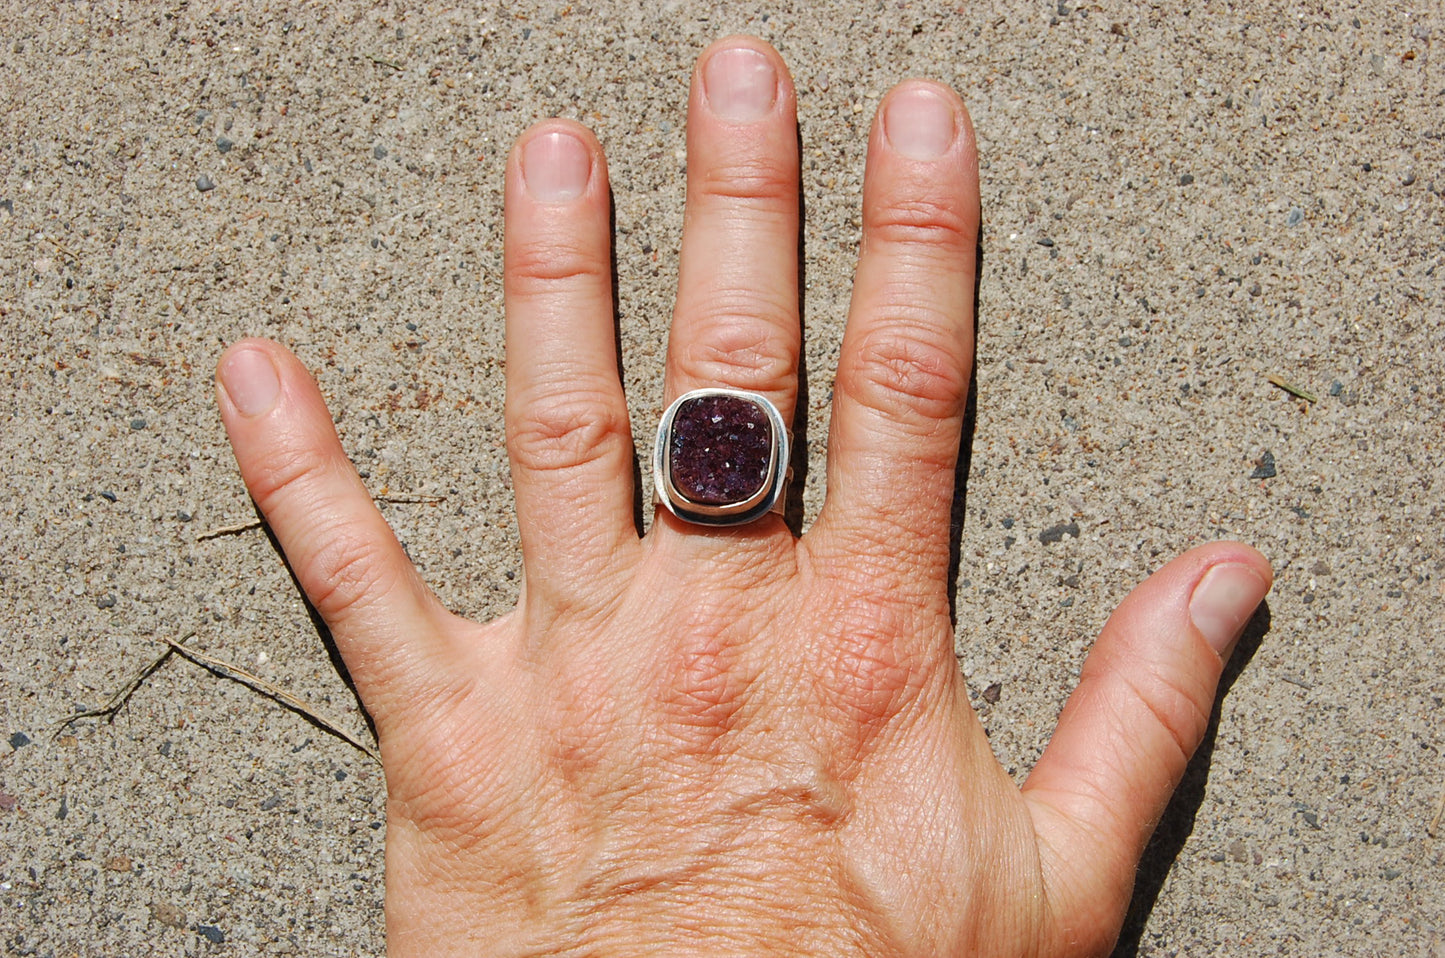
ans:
(721, 457)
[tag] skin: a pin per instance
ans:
(733, 741)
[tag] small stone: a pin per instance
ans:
(205, 184)
(168, 914)
(118, 863)
(1186, 179)
(1408, 179)
(183, 516)
(8, 802)
(1336, 387)
(107, 495)
(211, 933)
(1296, 217)
(19, 740)
(1056, 532)
(993, 692)
(340, 775)
(105, 602)
(379, 152)
(1237, 851)
(137, 424)
(720, 449)
(1391, 873)
(270, 803)
(224, 144)
(1264, 467)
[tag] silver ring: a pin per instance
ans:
(721, 457)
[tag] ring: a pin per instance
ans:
(721, 457)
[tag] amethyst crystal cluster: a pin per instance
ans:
(720, 449)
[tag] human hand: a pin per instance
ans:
(709, 741)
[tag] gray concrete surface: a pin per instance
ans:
(1179, 203)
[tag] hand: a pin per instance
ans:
(733, 741)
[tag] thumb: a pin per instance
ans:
(1140, 710)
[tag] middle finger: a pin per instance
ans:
(736, 321)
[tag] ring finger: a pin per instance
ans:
(736, 321)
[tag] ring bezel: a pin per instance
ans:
(768, 498)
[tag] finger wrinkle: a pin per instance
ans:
(947, 223)
(765, 183)
(735, 313)
(556, 260)
(1174, 710)
(291, 468)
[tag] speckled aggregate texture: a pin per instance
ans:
(1179, 202)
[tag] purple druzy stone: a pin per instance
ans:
(719, 449)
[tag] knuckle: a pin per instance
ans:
(567, 428)
(702, 690)
(736, 342)
(875, 668)
(908, 370)
(922, 222)
(340, 567)
(347, 573)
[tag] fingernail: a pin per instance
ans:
(740, 84)
(1223, 602)
(250, 379)
(919, 123)
(556, 167)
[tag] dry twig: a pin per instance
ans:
(250, 524)
(1291, 388)
(229, 530)
(256, 683)
(381, 62)
(123, 694)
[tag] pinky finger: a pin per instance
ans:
(339, 547)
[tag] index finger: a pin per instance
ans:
(903, 375)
